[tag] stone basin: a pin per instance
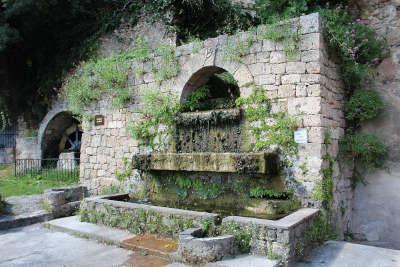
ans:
(195, 248)
(262, 162)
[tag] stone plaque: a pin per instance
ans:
(300, 136)
(98, 120)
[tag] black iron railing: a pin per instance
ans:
(48, 168)
(8, 137)
(7, 140)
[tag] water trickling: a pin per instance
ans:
(209, 131)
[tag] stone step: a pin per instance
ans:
(242, 261)
(11, 221)
(144, 245)
(346, 254)
(72, 225)
(239, 261)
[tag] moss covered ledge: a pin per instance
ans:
(260, 162)
(209, 117)
(138, 218)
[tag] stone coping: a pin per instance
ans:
(119, 203)
(258, 162)
(287, 222)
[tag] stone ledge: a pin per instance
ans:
(119, 201)
(8, 221)
(281, 237)
(72, 225)
(286, 222)
(194, 247)
(266, 163)
(209, 117)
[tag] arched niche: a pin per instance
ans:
(219, 83)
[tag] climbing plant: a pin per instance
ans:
(268, 128)
(366, 151)
(363, 105)
(168, 66)
(238, 46)
(156, 119)
(109, 75)
(93, 78)
(359, 50)
(126, 171)
(357, 45)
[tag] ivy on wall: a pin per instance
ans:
(359, 50)
(109, 75)
(157, 119)
(94, 78)
(269, 129)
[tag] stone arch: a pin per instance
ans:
(200, 78)
(54, 130)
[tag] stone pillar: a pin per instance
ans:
(66, 161)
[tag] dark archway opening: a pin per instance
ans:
(63, 134)
(210, 88)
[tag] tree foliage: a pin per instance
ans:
(41, 41)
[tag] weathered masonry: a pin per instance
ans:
(306, 86)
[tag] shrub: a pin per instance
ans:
(363, 105)
(367, 151)
(196, 99)
(271, 11)
(242, 235)
(358, 46)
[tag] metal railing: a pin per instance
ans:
(8, 138)
(48, 168)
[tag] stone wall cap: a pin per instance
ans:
(310, 23)
(295, 218)
(286, 222)
(164, 210)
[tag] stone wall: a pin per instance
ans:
(283, 239)
(307, 87)
(27, 148)
(376, 209)
(31, 147)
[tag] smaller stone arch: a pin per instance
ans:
(58, 132)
